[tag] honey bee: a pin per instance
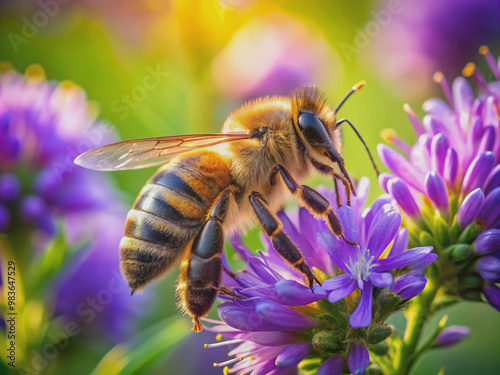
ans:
(215, 184)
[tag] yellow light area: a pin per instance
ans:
(388, 135)
(469, 69)
(5, 66)
(35, 73)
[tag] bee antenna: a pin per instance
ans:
(354, 88)
(340, 122)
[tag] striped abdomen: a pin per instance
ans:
(168, 213)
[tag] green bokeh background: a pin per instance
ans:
(80, 44)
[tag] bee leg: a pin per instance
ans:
(201, 271)
(273, 228)
(347, 183)
(226, 291)
(313, 201)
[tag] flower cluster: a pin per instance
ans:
(448, 182)
(276, 323)
(43, 195)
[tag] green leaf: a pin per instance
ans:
(142, 352)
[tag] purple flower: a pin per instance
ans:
(425, 36)
(363, 265)
(452, 335)
(448, 182)
(43, 127)
(274, 319)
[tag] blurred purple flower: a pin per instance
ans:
(452, 335)
(272, 54)
(425, 36)
(43, 127)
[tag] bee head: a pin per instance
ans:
(315, 123)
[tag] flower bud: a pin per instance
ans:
(470, 233)
(328, 341)
(489, 268)
(459, 254)
(451, 336)
(379, 334)
(488, 242)
(408, 287)
(470, 207)
(9, 187)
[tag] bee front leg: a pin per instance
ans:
(311, 200)
(201, 271)
(273, 228)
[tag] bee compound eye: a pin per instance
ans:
(313, 129)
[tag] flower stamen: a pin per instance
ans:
(439, 78)
(485, 51)
(223, 343)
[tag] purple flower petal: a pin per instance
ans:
(489, 268)
(450, 167)
(400, 166)
(487, 242)
(332, 366)
(362, 316)
(243, 319)
(283, 318)
(370, 213)
(400, 242)
(410, 257)
(334, 248)
(491, 208)
(436, 191)
(349, 224)
(487, 140)
(478, 171)
(381, 280)
(398, 189)
(339, 287)
(463, 96)
(439, 149)
(470, 207)
(493, 180)
(293, 354)
(272, 338)
(408, 287)
(385, 226)
(264, 368)
(451, 336)
(358, 358)
(492, 294)
(383, 180)
(294, 294)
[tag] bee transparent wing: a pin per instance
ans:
(148, 152)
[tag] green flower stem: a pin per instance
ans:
(417, 315)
